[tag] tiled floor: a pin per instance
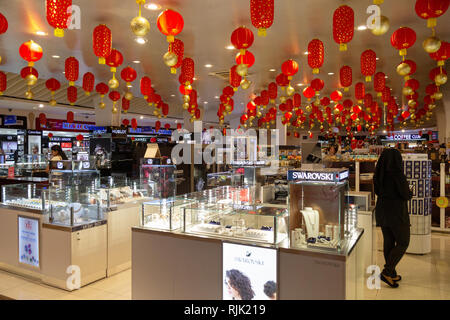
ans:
(424, 277)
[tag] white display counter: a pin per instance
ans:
(177, 266)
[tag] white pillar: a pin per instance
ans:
(282, 130)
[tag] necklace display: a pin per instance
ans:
(311, 218)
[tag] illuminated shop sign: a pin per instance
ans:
(400, 137)
(149, 130)
(296, 175)
(77, 126)
(248, 163)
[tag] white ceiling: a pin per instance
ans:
(207, 29)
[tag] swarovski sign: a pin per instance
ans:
(336, 175)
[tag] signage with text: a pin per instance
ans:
(249, 272)
(323, 176)
(29, 241)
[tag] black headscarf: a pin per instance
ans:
(389, 163)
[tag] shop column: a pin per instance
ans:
(105, 117)
(282, 131)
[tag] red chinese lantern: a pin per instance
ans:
(170, 23)
(197, 114)
(402, 39)
(368, 64)
(42, 119)
(72, 93)
(114, 60)
(157, 125)
(360, 91)
(177, 47)
(242, 38)
(297, 100)
(165, 110)
(413, 84)
(102, 89)
(289, 68)
(235, 79)
(317, 84)
(31, 52)
(431, 9)
(88, 83)
(379, 82)
(262, 14)
(386, 95)
(128, 75)
(345, 77)
(178, 126)
(309, 92)
(70, 117)
(315, 55)
(80, 137)
(187, 71)
(50, 135)
(58, 14)
(102, 42)
(273, 91)
(27, 71)
(247, 58)
(336, 96)
(3, 24)
(436, 71)
(325, 101)
(146, 86)
(412, 65)
(114, 96)
(134, 123)
(72, 70)
(125, 105)
(53, 85)
(167, 126)
(442, 54)
(125, 122)
(343, 26)
(3, 82)
(282, 80)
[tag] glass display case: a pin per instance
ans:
(114, 191)
(229, 178)
(31, 165)
(161, 176)
(320, 216)
(237, 221)
(165, 214)
(25, 196)
(73, 196)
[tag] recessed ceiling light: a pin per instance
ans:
(41, 33)
(306, 52)
(56, 57)
(64, 72)
(330, 73)
(272, 70)
(386, 77)
(152, 6)
(129, 86)
(377, 58)
(172, 95)
(217, 97)
(384, 131)
(403, 130)
(136, 61)
(230, 47)
(208, 65)
(206, 102)
(141, 40)
(362, 28)
(41, 105)
(194, 78)
(300, 84)
(142, 117)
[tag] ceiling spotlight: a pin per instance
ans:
(386, 77)
(330, 73)
(172, 95)
(217, 97)
(136, 61)
(306, 53)
(152, 6)
(41, 105)
(195, 79)
(208, 65)
(206, 102)
(230, 47)
(56, 57)
(362, 28)
(41, 33)
(377, 58)
(272, 70)
(384, 131)
(142, 117)
(129, 86)
(141, 40)
(300, 84)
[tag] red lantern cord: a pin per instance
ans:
(58, 15)
(170, 23)
(88, 83)
(315, 55)
(102, 42)
(368, 64)
(343, 26)
(262, 15)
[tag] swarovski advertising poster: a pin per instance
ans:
(249, 273)
(29, 241)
